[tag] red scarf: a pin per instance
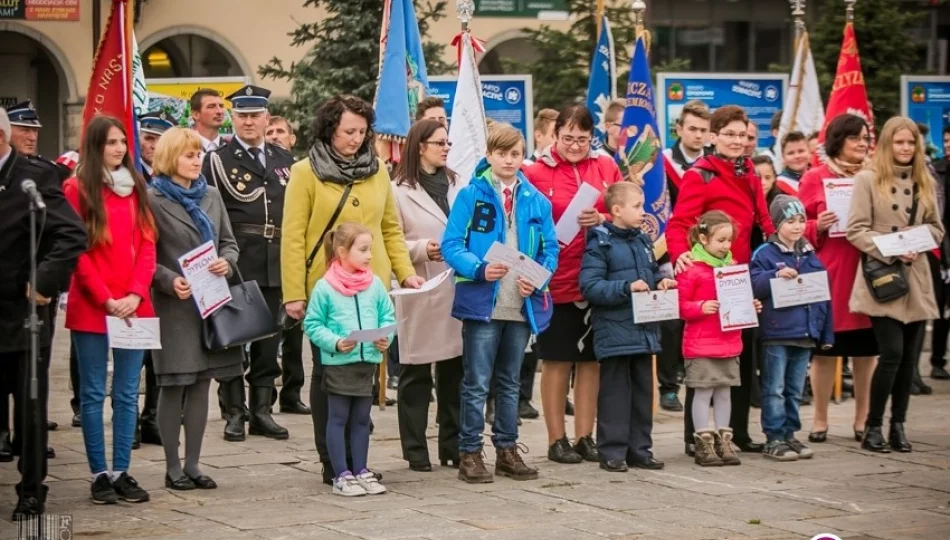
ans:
(346, 283)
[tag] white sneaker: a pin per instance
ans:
(369, 484)
(347, 486)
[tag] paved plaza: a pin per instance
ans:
(272, 490)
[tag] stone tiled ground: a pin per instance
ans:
(271, 490)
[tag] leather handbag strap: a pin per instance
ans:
(330, 224)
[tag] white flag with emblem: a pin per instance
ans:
(467, 131)
(804, 110)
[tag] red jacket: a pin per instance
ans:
(702, 335)
(111, 269)
(739, 197)
(840, 258)
(559, 180)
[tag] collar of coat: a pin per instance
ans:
(801, 247)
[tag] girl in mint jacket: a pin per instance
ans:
(349, 297)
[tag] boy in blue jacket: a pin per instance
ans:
(789, 334)
(619, 261)
(498, 309)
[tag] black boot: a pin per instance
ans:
(6, 448)
(874, 441)
(897, 439)
(233, 393)
(262, 423)
(148, 425)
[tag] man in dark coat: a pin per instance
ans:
(62, 241)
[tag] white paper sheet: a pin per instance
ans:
(804, 289)
(736, 302)
(567, 227)
(430, 285)
(210, 292)
(370, 335)
(134, 333)
(916, 240)
(838, 193)
(655, 306)
(519, 263)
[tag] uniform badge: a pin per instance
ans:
(233, 171)
(247, 177)
(241, 186)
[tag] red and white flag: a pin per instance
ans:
(848, 95)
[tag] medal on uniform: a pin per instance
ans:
(241, 186)
(247, 177)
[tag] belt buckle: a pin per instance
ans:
(269, 231)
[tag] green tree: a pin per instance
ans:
(882, 28)
(342, 56)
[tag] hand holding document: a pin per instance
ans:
(519, 263)
(804, 289)
(133, 333)
(655, 306)
(210, 292)
(736, 302)
(430, 285)
(838, 193)
(567, 227)
(370, 335)
(915, 240)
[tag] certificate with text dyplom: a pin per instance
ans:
(736, 302)
(210, 292)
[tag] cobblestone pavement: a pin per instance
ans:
(272, 489)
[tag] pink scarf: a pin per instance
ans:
(346, 283)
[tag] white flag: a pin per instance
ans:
(139, 90)
(467, 130)
(804, 110)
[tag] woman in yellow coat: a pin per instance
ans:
(341, 163)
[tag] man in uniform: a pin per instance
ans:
(63, 241)
(207, 112)
(252, 175)
(151, 126)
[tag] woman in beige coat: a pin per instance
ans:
(882, 204)
(427, 332)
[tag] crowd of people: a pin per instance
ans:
(327, 237)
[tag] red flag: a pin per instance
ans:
(848, 95)
(110, 87)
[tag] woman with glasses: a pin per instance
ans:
(846, 144)
(558, 174)
(427, 332)
(725, 181)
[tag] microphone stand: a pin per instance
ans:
(34, 431)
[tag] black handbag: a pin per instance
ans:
(246, 318)
(888, 282)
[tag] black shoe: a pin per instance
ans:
(614, 465)
(102, 490)
(179, 484)
(6, 449)
(28, 507)
(897, 439)
(568, 408)
(526, 411)
(150, 432)
(690, 449)
(202, 481)
(820, 436)
(393, 382)
(652, 464)
(925, 389)
(127, 489)
(327, 474)
(671, 402)
(296, 407)
(262, 423)
(77, 420)
(939, 374)
(51, 426)
(561, 452)
(587, 449)
(750, 446)
(874, 441)
(490, 413)
(420, 466)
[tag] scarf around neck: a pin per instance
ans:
(437, 186)
(347, 283)
(844, 169)
(190, 199)
(700, 254)
(329, 166)
(120, 181)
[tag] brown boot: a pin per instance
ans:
(508, 463)
(706, 455)
(724, 448)
(472, 468)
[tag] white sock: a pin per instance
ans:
(115, 475)
(96, 476)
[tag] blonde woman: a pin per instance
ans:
(896, 193)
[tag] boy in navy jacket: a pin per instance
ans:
(619, 261)
(789, 334)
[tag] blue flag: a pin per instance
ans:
(639, 155)
(602, 87)
(402, 74)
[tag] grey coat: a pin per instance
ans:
(182, 352)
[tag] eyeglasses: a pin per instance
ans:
(858, 138)
(571, 141)
(731, 135)
(440, 144)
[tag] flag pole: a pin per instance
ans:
(849, 12)
(466, 12)
(599, 12)
(798, 13)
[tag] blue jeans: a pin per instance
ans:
(490, 349)
(783, 380)
(92, 354)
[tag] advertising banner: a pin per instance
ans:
(926, 100)
(40, 10)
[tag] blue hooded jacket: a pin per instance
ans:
(475, 223)
(809, 321)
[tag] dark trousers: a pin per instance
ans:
(415, 387)
(669, 361)
(291, 373)
(30, 420)
(150, 409)
(739, 395)
(899, 344)
(529, 369)
(625, 408)
(320, 412)
(941, 328)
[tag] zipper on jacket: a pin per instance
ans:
(359, 322)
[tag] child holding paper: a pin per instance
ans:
(788, 333)
(619, 261)
(349, 297)
(499, 310)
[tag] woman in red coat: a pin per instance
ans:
(846, 144)
(112, 279)
(559, 173)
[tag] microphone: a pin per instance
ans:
(29, 187)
